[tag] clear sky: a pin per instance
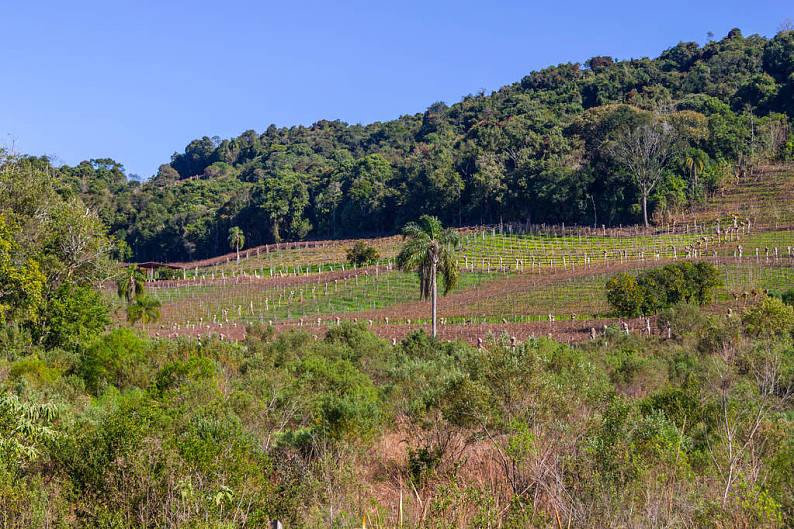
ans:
(137, 80)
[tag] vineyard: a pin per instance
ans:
(516, 279)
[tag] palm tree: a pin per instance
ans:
(236, 240)
(694, 164)
(429, 251)
(144, 308)
(131, 284)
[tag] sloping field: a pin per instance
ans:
(523, 279)
(766, 197)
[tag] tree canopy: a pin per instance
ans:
(533, 151)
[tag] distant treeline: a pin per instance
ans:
(535, 151)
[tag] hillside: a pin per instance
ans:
(185, 407)
(540, 151)
(525, 280)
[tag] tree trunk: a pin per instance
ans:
(434, 294)
(645, 207)
(237, 248)
(696, 181)
(276, 234)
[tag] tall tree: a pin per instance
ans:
(694, 164)
(236, 240)
(645, 151)
(131, 287)
(283, 198)
(428, 251)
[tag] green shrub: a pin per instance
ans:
(118, 358)
(625, 364)
(786, 297)
(165, 273)
(422, 462)
(34, 369)
(74, 317)
(173, 374)
(720, 335)
(769, 317)
(361, 254)
(659, 288)
(346, 401)
(682, 318)
(465, 403)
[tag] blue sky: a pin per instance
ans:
(136, 81)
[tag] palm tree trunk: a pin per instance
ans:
(434, 294)
(237, 248)
(645, 206)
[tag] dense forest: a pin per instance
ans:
(539, 150)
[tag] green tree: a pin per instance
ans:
(625, 295)
(694, 164)
(428, 251)
(659, 288)
(145, 308)
(21, 285)
(236, 240)
(283, 198)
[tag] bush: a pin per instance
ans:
(35, 369)
(625, 295)
(769, 317)
(165, 273)
(786, 297)
(361, 254)
(659, 288)
(682, 319)
(346, 401)
(116, 359)
(75, 316)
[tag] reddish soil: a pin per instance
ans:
(285, 280)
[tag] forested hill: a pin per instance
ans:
(537, 150)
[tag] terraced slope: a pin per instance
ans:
(528, 279)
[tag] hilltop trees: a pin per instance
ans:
(535, 150)
(282, 198)
(428, 251)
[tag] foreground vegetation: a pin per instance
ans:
(112, 429)
(621, 432)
